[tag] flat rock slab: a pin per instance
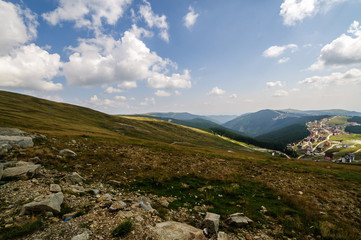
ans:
(23, 171)
(21, 141)
(11, 132)
(238, 220)
(177, 231)
(50, 203)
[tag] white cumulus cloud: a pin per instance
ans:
(190, 18)
(123, 98)
(275, 84)
(280, 93)
(294, 11)
(344, 50)
(17, 26)
(154, 20)
(105, 60)
(148, 101)
(113, 90)
(162, 93)
(284, 60)
(176, 80)
(217, 91)
(87, 13)
(276, 51)
(24, 66)
(351, 77)
(127, 85)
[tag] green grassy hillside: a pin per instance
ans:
(303, 198)
(284, 136)
(266, 121)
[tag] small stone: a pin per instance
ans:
(263, 210)
(174, 230)
(105, 197)
(74, 178)
(35, 160)
(117, 205)
(115, 183)
(238, 220)
(211, 222)
(300, 192)
(67, 152)
(54, 188)
(77, 188)
(83, 236)
(222, 236)
(145, 206)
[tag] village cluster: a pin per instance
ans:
(320, 146)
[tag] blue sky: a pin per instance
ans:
(203, 57)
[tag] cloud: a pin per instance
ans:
(17, 26)
(275, 84)
(154, 20)
(148, 101)
(127, 85)
(162, 93)
(294, 11)
(351, 77)
(105, 60)
(123, 98)
(176, 80)
(344, 50)
(191, 18)
(113, 90)
(295, 90)
(276, 51)
(85, 13)
(284, 60)
(233, 96)
(30, 67)
(217, 91)
(280, 93)
(107, 103)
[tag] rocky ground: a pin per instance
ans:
(64, 205)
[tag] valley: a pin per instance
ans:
(180, 172)
(329, 141)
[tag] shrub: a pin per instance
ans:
(20, 231)
(123, 229)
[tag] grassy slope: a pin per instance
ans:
(161, 155)
(286, 135)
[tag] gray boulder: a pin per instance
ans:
(211, 222)
(20, 141)
(51, 203)
(67, 152)
(238, 220)
(11, 132)
(175, 230)
(23, 171)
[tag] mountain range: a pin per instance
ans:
(253, 124)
